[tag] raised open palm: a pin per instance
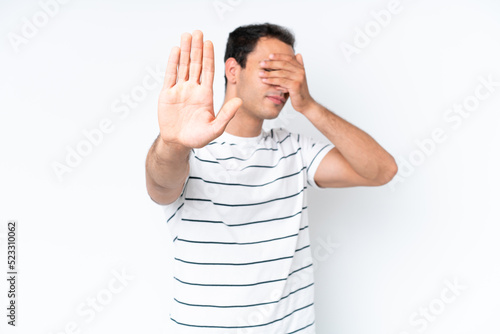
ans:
(185, 108)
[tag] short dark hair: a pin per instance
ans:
(243, 39)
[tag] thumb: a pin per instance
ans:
(226, 113)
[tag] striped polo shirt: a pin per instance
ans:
(242, 256)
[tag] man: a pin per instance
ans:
(235, 195)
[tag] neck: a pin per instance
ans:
(243, 124)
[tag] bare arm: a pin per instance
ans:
(185, 116)
(357, 159)
(167, 167)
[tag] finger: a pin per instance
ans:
(207, 75)
(278, 65)
(184, 60)
(226, 114)
(281, 56)
(196, 54)
(171, 73)
(287, 78)
(277, 74)
(283, 82)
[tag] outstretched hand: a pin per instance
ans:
(185, 107)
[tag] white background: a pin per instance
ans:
(396, 245)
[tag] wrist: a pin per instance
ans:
(171, 151)
(312, 111)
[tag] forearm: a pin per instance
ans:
(167, 166)
(360, 150)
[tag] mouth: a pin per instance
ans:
(276, 99)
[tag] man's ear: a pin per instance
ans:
(232, 70)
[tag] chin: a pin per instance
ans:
(270, 114)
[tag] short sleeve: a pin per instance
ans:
(313, 151)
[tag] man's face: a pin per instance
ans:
(261, 100)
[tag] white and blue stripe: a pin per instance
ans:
(242, 257)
